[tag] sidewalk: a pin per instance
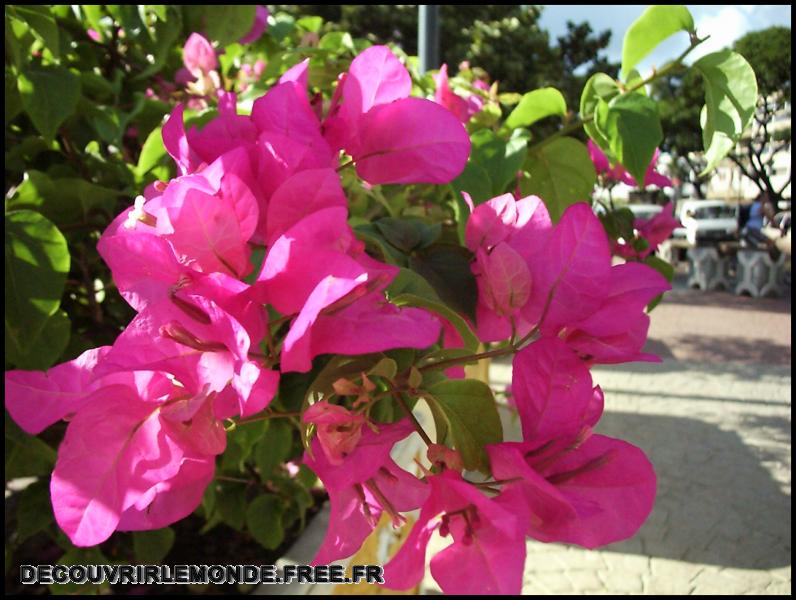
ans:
(715, 420)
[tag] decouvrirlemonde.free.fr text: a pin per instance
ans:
(197, 574)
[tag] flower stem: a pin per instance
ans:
(418, 427)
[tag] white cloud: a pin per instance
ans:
(724, 27)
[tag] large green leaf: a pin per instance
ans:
(471, 417)
(151, 547)
(633, 128)
(37, 261)
(264, 520)
(25, 455)
(42, 348)
(536, 105)
(224, 23)
(476, 181)
(447, 268)
(653, 26)
(730, 99)
(42, 24)
(561, 173)
(50, 95)
(500, 158)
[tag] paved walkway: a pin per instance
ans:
(715, 419)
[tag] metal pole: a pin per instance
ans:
(428, 36)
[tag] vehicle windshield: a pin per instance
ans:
(712, 212)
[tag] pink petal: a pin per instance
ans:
(258, 26)
(300, 195)
(569, 278)
(198, 55)
(174, 499)
(491, 222)
(505, 282)
(114, 451)
(411, 141)
(552, 389)
(176, 142)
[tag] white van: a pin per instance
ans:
(707, 220)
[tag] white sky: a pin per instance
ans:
(724, 24)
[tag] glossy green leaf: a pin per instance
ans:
(42, 348)
(34, 510)
(654, 25)
(152, 152)
(37, 261)
(471, 417)
(730, 100)
(632, 126)
(50, 95)
(26, 455)
(470, 340)
(560, 173)
(42, 23)
(536, 105)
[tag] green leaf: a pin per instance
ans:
(653, 26)
(469, 338)
(536, 105)
(80, 556)
(224, 23)
(40, 349)
(599, 87)
(500, 158)
(312, 24)
(13, 101)
(34, 512)
(246, 437)
(401, 233)
(471, 416)
(42, 24)
(447, 268)
(231, 504)
(37, 261)
(665, 269)
(151, 547)
(50, 95)
(409, 282)
(730, 99)
(264, 520)
(274, 448)
(26, 456)
(633, 129)
(476, 181)
(561, 173)
(152, 152)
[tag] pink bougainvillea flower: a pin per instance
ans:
(94, 35)
(258, 26)
(617, 330)
(488, 540)
(391, 137)
(463, 108)
(618, 173)
(590, 492)
(338, 429)
(367, 483)
(122, 453)
(531, 273)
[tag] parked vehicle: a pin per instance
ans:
(707, 220)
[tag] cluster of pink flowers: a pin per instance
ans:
(146, 414)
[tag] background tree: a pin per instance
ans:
(506, 41)
(769, 53)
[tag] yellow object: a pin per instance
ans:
(369, 555)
